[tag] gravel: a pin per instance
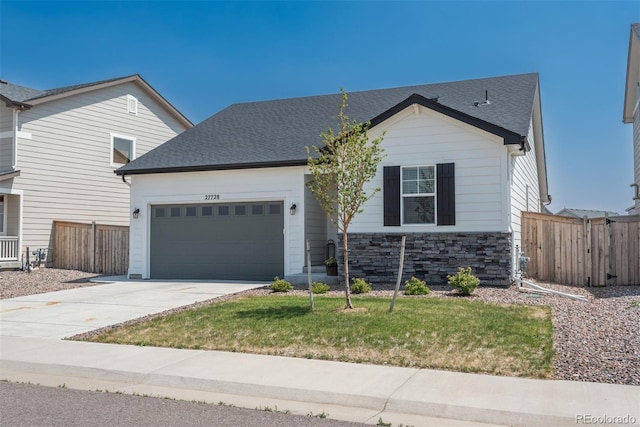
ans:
(19, 283)
(595, 341)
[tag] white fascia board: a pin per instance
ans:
(541, 158)
(633, 75)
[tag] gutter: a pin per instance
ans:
(207, 168)
(14, 160)
(15, 104)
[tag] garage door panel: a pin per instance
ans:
(217, 243)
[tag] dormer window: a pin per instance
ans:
(132, 104)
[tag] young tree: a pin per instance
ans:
(340, 169)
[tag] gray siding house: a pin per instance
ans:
(59, 149)
(631, 110)
(227, 199)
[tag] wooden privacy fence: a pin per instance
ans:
(584, 252)
(94, 248)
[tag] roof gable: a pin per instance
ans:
(23, 97)
(276, 133)
(510, 137)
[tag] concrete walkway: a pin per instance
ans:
(354, 392)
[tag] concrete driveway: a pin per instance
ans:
(66, 313)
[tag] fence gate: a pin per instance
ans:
(93, 248)
(584, 252)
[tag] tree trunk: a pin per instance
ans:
(395, 293)
(347, 286)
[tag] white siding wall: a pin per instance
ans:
(65, 167)
(6, 138)
(525, 191)
(278, 184)
(428, 138)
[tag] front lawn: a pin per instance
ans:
(451, 334)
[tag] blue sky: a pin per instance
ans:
(205, 55)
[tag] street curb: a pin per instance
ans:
(451, 410)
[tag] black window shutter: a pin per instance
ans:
(445, 176)
(391, 192)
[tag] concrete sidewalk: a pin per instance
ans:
(354, 392)
(348, 391)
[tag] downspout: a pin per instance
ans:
(523, 144)
(509, 222)
(545, 204)
(17, 108)
(14, 161)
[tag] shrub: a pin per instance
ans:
(464, 281)
(280, 285)
(319, 288)
(331, 261)
(416, 286)
(360, 286)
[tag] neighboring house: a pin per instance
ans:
(581, 213)
(631, 111)
(58, 151)
(227, 199)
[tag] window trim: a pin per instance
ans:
(112, 137)
(434, 194)
(445, 195)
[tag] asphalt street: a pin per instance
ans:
(34, 406)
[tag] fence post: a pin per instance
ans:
(93, 246)
(607, 244)
(588, 266)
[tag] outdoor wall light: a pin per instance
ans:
(292, 209)
(136, 213)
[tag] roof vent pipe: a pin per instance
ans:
(486, 100)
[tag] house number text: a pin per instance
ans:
(212, 197)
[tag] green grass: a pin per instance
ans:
(452, 334)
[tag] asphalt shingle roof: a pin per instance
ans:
(270, 133)
(17, 93)
(24, 94)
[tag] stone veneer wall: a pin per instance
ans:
(428, 256)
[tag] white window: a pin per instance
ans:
(418, 195)
(123, 149)
(132, 104)
(2, 216)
